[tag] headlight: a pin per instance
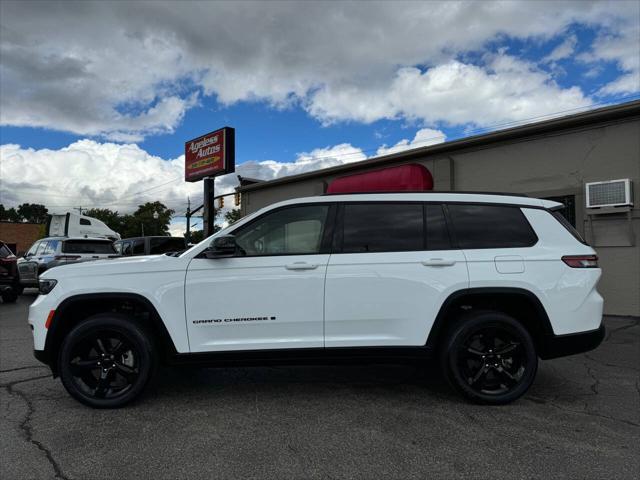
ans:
(46, 285)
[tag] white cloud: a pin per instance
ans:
(423, 138)
(506, 90)
(124, 70)
(564, 50)
(121, 177)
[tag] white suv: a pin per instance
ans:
(485, 283)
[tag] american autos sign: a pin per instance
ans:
(210, 155)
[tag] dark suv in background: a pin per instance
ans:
(149, 245)
(9, 279)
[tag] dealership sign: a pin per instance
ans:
(210, 155)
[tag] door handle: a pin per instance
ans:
(301, 266)
(438, 262)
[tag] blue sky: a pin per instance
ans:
(116, 87)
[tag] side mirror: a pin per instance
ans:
(222, 247)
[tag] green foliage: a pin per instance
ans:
(112, 219)
(27, 212)
(33, 212)
(233, 216)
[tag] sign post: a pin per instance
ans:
(206, 157)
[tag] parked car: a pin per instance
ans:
(149, 245)
(10, 286)
(483, 283)
(52, 252)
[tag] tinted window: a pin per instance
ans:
(138, 246)
(84, 221)
(560, 217)
(296, 230)
(87, 246)
(437, 234)
(4, 251)
(490, 226)
(126, 248)
(165, 244)
(383, 227)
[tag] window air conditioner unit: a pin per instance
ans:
(612, 193)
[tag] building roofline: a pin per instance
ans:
(595, 116)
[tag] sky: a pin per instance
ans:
(98, 98)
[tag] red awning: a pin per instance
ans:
(412, 178)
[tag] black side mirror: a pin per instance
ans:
(222, 247)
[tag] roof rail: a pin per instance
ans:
(463, 192)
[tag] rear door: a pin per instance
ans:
(391, 270)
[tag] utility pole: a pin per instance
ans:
(188, 233)
(79, 209)
(209, 213)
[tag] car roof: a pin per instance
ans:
(466, 197)
(76, 238)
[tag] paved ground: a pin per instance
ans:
(581, 419)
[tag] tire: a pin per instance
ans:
(106, 361)
(489, 357)
(9, 295)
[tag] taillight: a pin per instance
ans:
(581, 261)
(66, 257)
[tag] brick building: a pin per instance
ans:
(20, 236)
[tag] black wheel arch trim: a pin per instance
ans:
(53, 338)
(440, 323)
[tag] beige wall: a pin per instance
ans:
(548, 165)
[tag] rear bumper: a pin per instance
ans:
(555, 346)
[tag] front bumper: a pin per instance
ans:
(554, 346)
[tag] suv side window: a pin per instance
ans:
(138, 246)
(41, 248)
(50, 247)
(437, 233)
(490, 226)
(382, 227)
(34, 248)
(126, 248)
(288, 231)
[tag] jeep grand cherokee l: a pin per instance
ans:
(486, 284)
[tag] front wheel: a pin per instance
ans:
(489, 357)
(106, 361)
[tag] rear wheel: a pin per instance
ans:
(489, 357)
(9, 295)
(106, 361)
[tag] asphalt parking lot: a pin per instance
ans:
(581, 419)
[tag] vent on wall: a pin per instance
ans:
(612, 193)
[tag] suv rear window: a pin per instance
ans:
(490, 226)
(88, 246)
(383, 227)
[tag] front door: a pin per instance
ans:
(270, 295)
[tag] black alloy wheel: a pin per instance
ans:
(490, 358)
(106, 361)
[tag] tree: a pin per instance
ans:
(144, 220)
(33, 212)
(112, 219)
(233, 216)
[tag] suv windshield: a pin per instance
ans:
(88, 246)
(4, 251)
